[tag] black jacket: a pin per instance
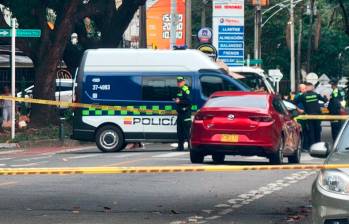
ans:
(310, 102)
(334, 105)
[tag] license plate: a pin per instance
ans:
(229, 138)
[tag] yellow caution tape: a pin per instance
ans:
(323, 117)
(158, 169)
(84, 105)
(139, 110)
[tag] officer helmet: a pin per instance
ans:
(334, 82)
(180, 78)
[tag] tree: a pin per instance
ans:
(47, 51)
(345, 11)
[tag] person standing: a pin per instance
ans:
(335, 107)
(6, 109)
(303, 123)
(183, 102)
(310, 102)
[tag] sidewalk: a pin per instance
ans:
(42, 146)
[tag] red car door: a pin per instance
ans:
(287, 126)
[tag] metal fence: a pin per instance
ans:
(24, 77)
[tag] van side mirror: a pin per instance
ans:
(320, 150)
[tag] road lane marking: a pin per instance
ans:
(241, 200)
(2, 159)
(7, 183)
(82, 156)
(28, 164)
(125, 155)
(126, 162)
(171, 154)
(34, 158)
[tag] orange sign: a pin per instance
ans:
(261, 2)
(159, 23)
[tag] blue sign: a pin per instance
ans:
(230, 37)
(233, 61)
(233, 45)
(231, 29)
(231, 53)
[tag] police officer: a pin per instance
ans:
(310, 102)
(183, 102)
(301, 91)
(334, 107)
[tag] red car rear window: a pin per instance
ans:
(238, 101)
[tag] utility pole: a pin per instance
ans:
(299, 49)
(13, 78)
(143, 26)
(310, 35)
(188, 31)
(173, 23)
(203, 13)
(292, 69)
(257, 30)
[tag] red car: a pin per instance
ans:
(248, 124)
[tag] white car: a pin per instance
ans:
(255, 78)
(64, 90)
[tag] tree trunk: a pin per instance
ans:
(119, 22)
(45, 85)
(345, 16)
(49, 55)
(299, 48)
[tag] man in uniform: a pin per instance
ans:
(301, 91)
(183, 102)
(310, 102)
(334, 107)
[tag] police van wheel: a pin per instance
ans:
(110, 138)
(196, 157)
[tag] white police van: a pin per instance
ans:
(140, 79)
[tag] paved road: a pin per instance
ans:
(241, 197)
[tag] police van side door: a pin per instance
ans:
(158, 92)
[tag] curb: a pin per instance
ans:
(9, 146)
(27, 145)
(51, 143)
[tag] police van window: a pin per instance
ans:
(160, 88)
(211, 84)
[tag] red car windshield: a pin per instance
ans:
(245, 101)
